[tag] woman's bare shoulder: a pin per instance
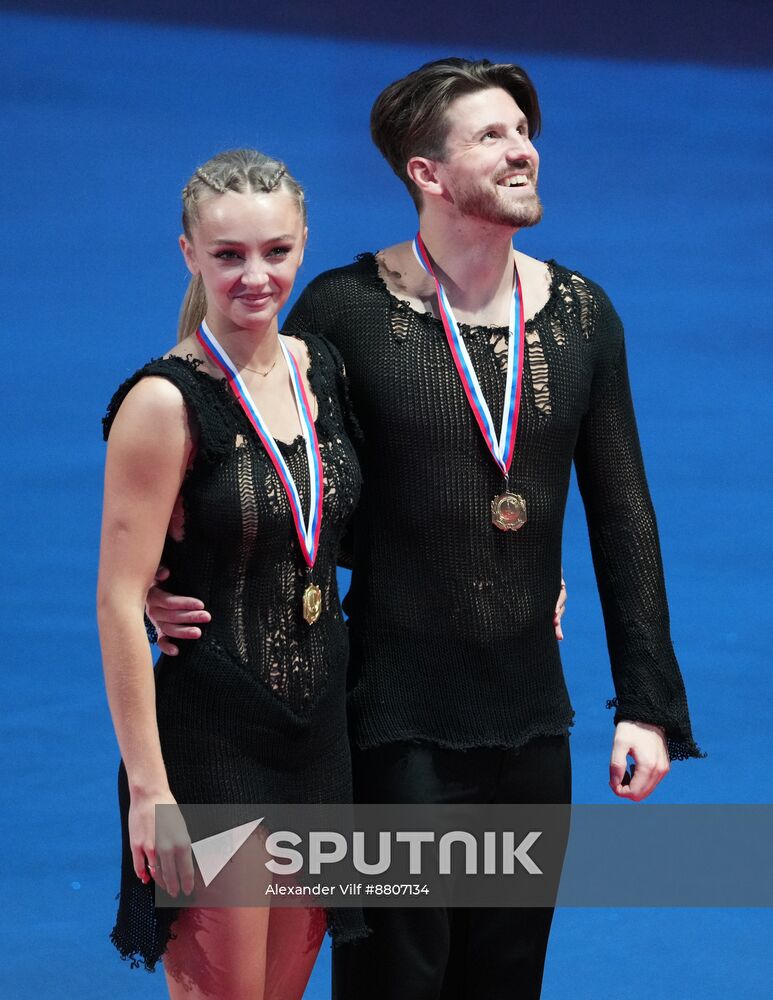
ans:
(188, 349)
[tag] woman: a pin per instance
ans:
(229, 458)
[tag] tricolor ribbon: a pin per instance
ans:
(503, 445)
(306, 528)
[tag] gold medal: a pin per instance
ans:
(312, 603)
(508, 512)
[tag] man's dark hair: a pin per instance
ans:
(409, 116)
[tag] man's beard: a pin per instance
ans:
(488, 206)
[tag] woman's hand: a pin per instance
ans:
(559, 612)
(161, 851)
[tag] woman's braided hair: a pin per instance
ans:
(237, 170)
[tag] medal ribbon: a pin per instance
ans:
(306, 528)
(501, 447)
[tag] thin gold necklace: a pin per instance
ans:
(263, 374)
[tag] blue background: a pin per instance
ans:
(655, 175)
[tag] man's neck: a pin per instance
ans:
(473, 261)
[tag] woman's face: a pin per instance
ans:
(247, 248)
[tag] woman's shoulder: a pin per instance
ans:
(150, 425)
(171, 387)
(152, 391)
(156, 382)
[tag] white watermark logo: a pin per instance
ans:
(492, 853)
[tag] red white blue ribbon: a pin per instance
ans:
(306, 528)
(502, 445)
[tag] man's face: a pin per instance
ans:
(490, 169)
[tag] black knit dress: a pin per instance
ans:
(254, 711)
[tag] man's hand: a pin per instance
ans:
(173, 616)
(647, 745)
(558, 614)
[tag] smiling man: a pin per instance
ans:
(480, 375)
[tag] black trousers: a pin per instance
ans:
(453, 954)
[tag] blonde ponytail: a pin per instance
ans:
(193, 310)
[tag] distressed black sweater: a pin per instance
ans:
(451, 619)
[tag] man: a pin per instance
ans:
(479, 374)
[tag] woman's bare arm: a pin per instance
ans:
(148, 451)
